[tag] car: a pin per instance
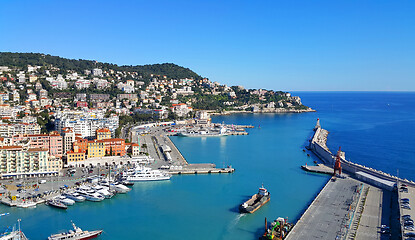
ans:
(406, 207)
(42, 181)
(385, 231)
(409, 234)
(409, 220)
(405, 199)
(406, 216)
(409, 228)
(408, 224)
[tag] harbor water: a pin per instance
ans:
(375, 129)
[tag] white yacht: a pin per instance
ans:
(74, 196)
(91, 195)
(145, 174)
(103, 191)
(64, 200)
(119, 188)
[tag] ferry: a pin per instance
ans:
(278, 229)
(145, 174)
(205, 133)
(76, 234)
(256, 201)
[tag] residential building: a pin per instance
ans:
(10, 130)
(68, 136)
(114, 146)
(96, 148)
(17, 161)
(103, 133)
(53, 142)
(75, 156)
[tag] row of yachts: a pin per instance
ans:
(108, 188)
(93, 193)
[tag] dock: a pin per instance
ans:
(320, 168)
(199, 169)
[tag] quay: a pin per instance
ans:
(168, 157)
(199, 169)
(320, 168)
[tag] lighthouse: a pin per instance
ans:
(337, 164)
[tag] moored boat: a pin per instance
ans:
(64, 200)
(56, 204)
(278, 229)
(75, 234)
(142, 173)
(74, 196)
(256, 201)
(91, 196)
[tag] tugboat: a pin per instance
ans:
(56, 204)
(278, 230)
(76, 234)
(256, 201)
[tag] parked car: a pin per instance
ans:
(409, 234)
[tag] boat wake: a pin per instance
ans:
(236, 220)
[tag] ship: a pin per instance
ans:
(205, 133)
(75, 234)
(142, 173)
(11, 233)
(278, 229)
(256, 201)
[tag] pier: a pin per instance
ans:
(360, 203)
(168, 157)
(199, 169)
(320, 168)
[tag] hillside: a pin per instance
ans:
(21, 60)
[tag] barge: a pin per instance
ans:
(256, 201)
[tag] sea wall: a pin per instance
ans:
(319, 148)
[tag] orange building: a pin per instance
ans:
(81, 144)
(114, 146)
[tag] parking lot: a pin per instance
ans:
(406, 205)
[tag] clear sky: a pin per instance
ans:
(281, 45)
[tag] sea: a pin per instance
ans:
(376, 129)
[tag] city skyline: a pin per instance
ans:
(295, 46)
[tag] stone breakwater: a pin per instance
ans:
(319, 148)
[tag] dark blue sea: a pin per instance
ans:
(375, 129)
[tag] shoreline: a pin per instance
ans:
(278, 110)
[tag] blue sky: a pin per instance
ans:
(280, 45)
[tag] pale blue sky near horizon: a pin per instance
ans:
(345, 45)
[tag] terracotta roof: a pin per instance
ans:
(12, 147)
(37, 150)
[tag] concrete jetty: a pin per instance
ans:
(320, 168)
(168, 157)
(199, 169)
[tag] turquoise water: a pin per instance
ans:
(205, 206)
